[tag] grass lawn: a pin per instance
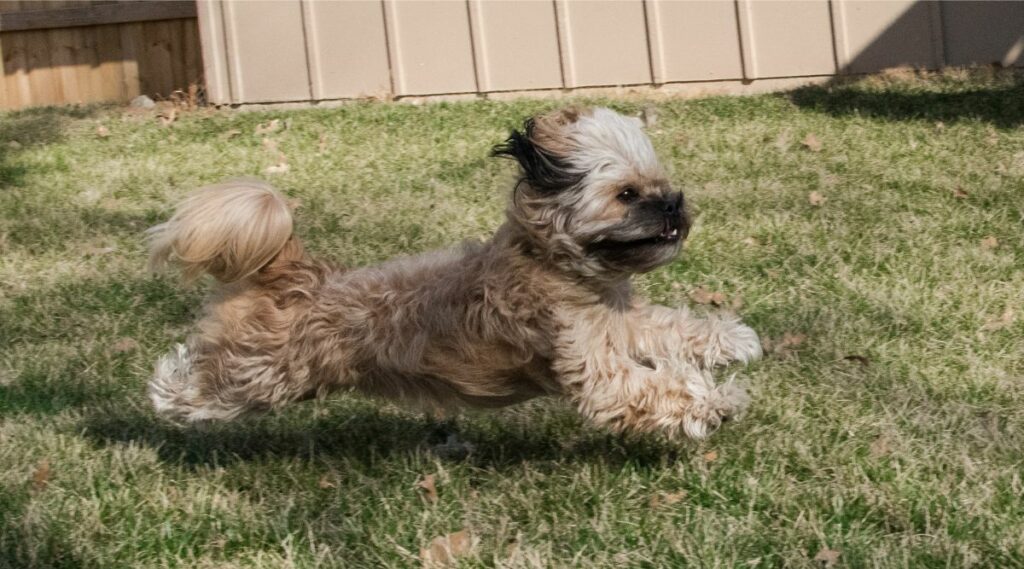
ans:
(870, 231)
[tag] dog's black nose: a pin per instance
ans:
(673, 203)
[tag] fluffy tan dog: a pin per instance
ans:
(543, 308)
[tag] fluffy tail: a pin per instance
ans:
(229, 230)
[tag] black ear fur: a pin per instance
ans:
(542, 170)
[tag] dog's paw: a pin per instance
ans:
(713, 407)
(733, 342)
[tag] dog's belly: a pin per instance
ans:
(461, 383)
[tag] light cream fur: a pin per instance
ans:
(229, 231)
(543, 308)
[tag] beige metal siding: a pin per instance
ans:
(604, 42)
(694, 41)
(431, 48)
(873, 35)
(786, 39)
(267, 59)
(347, 47)
(516, 44)
(983, 32)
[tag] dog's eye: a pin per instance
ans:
(628, 194)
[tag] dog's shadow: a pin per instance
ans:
(366, 434)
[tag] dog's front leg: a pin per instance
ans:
(601, 372)
(708, 341)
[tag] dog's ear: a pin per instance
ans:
(542, 149)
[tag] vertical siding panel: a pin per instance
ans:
(431, 47)
(983, 32)
(267, 51)
(348, 55)
(874, 35)
(694, 41)
(787, 38)
(604, 43)
(516, 45)
(214, 52)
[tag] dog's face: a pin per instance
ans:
(592, 193)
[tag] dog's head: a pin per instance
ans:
(592, 194)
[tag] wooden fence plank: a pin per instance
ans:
(93, 15)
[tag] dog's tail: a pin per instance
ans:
(229, 230)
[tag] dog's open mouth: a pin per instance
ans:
(669, 235)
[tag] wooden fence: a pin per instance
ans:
(80, 52)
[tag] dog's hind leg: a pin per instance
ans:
(192, 384)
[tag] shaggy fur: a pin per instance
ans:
(543, 308)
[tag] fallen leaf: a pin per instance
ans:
(322, 145)
(816, 199)
(429, 488)
(649, 116)
(168, 117)
(13, 145)
(1001, 321)
(959, 193)
(827, 557)
(862, 360)
(940, 126)
(751, 242)
(325, 483)
(880, 447)
(445, 550)
(267, 128)
(102, 131)
(773, 273)
(990, 421)
(94, 251)
(989, 243)
(667, 498)
(700, 295)
(41, 476)
(811, 143)
(228, 135)
(276, 169)
(736, 303)
(124, 345)
(711, 456)
(786, 346)
(782, 141)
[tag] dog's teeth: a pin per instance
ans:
(674, 233)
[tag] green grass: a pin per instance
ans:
(907, 454)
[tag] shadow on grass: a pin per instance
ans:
(363, 433)
(60, 340)
(32, 127)
(1001, 105)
